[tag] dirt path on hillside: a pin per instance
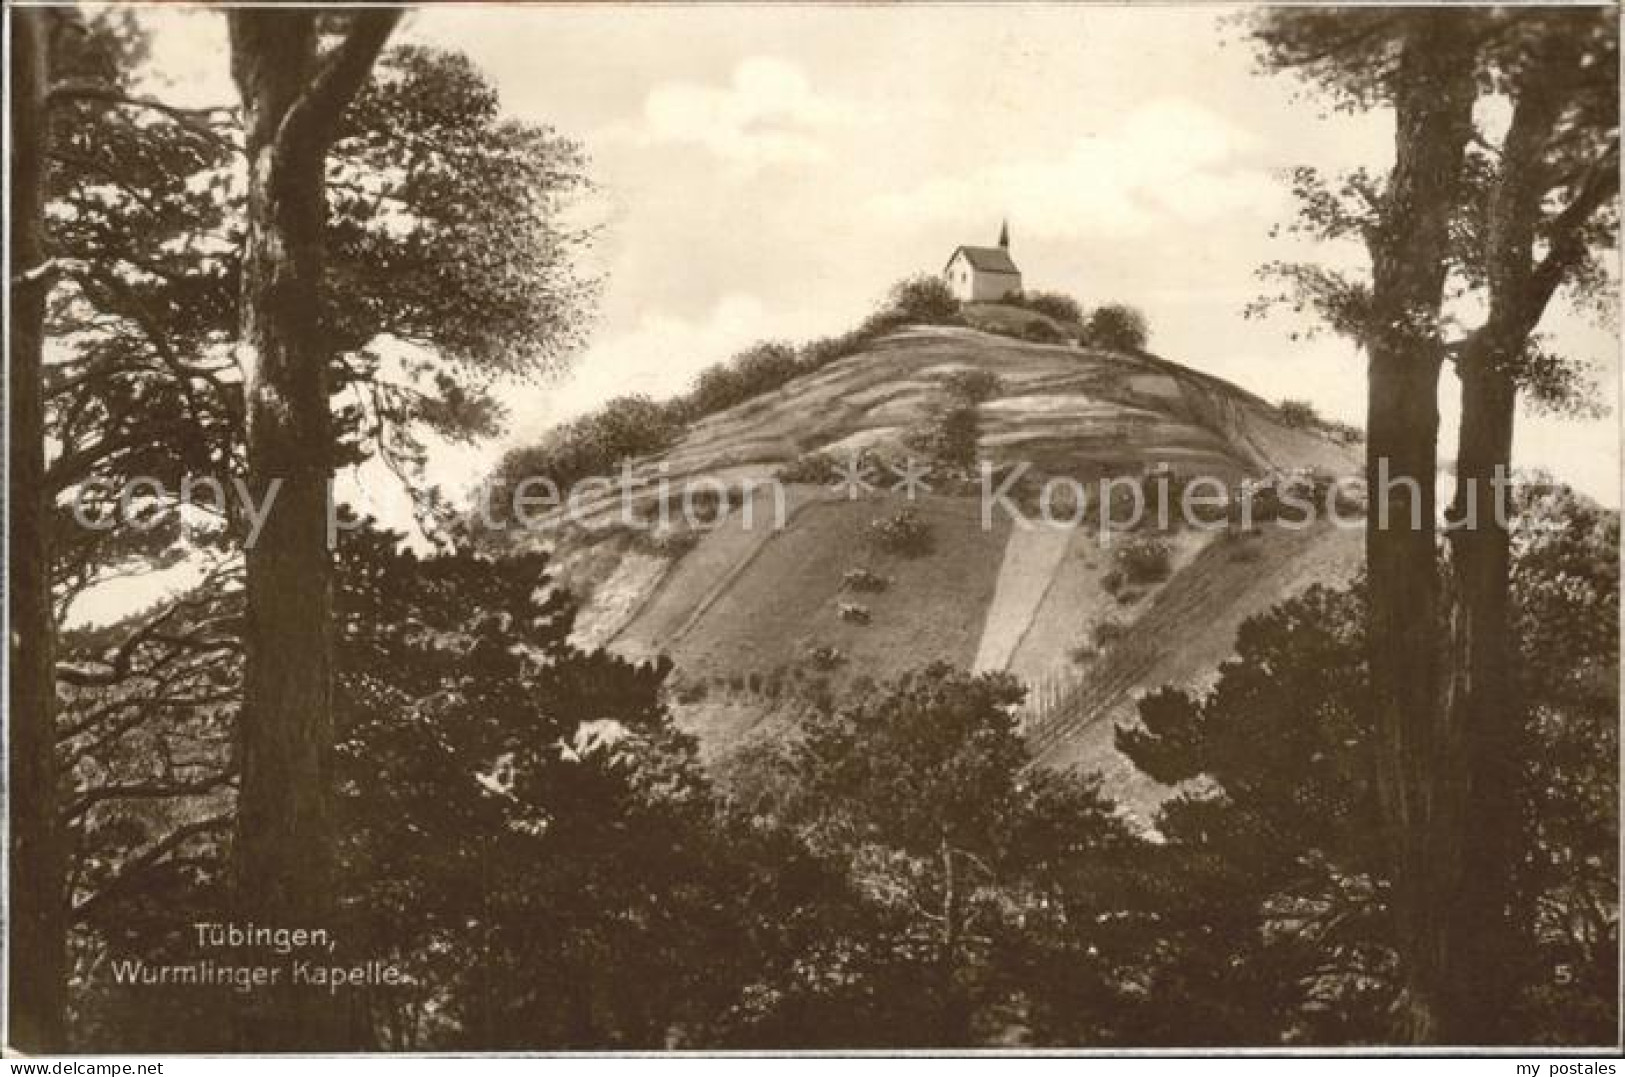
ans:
(1032, 557)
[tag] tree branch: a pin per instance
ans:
(120, 665)
(314, 117)
(195, 120)
(154, 790)
(152, 855)
(86, 163)
(1565, 236)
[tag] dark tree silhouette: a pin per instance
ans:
(35, 987)
(294, 96)
(1456, 214)
(1420, 63)
(1545, 208)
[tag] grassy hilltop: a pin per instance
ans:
(745, 611)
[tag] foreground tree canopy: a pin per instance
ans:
(522, 829)
(143, 239)
(1486, 221)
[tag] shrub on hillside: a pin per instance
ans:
(1301, 415)
(1349, 501)
(903, 533)
(822, 468)
(1117, 584)
(1116, 326)
(1106, 632)
(1144, 559)
(973, 386)
(1038, 331)
(825, 658)
(702, 507)
(1063, 308)
(826, 350)
(758, 369)
(670, 541)
(863, 581)
(948, 436)
(1163, 490)
(854, 613)
(766, 365)
(595, 444)
(924, 298)
(813, 468)
(1293, 497)
(1340, 432)
(1298, 414)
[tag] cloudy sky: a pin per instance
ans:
(768, 170)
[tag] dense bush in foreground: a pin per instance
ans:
(525, 832)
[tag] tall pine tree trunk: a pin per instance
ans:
(1403, 594)
(1433, 112)
(284, 846)
(283, 852)
(37, 929)
(1480, 709)
(1481, 712)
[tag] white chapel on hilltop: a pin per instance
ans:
(983, 274)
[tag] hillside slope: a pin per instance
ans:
(747, 606)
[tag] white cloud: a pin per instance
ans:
(1169, 162)
(768, 114)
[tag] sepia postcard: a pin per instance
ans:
(904, 528)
